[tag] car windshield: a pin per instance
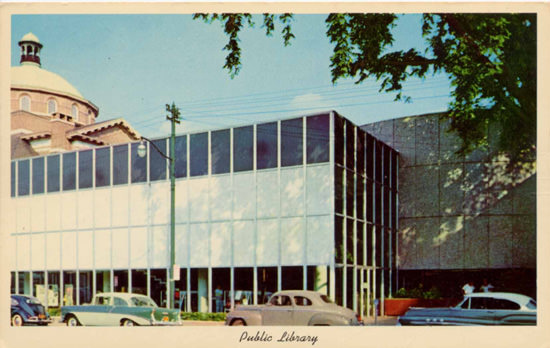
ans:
(532, 304)
(326, 299)
(32, 301)
(143, 302)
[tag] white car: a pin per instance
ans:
(479, 308)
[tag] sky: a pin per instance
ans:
(130, 66)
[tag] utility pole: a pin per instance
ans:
(174, 118)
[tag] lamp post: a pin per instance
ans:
(142, 151)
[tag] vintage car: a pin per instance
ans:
(294, 307)
(27, 310)
(124, 309)
(480, 308)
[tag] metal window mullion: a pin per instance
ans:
(279, 217)
(332, 190)
(304, 165)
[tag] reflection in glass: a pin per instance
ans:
(291, 142)
(23, 177)
(318, 128)
(199, 154)
(266, 145)
(243, 148)
(350, 143)
(139, 165)
(53, 173)
(339, 140)
(38, 175)
(69, 171)
(103, 167)
(120, 164)
(13, 179)
(220, 151)
(85, 169)
(157, 163)
(181, 156)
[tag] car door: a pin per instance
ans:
(478, 313)
(278, 311)
(97, 313)
(303, 310)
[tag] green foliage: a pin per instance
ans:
(490, 59)
(203, 316)
(418, 292)
(54, 312)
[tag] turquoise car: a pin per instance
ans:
(120, 309)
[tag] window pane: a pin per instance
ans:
(360, 243)
(339, 239)
(13, 179)
(139, 165)
(266, 145)
(120, 164)
(243, 148)
(378, 203)
(220, 151)
(370, 244)
(350, 144)
(387, 161)
(378, 161)
(339, 140)
(157, 163)
(199, 154)
(103, 167)
(53, 173)
(38, 175)
(85, 167)
(394, 170)
(350, 231)
(181, 156)
(318, 139)
(360, 198)
(360, 152)
(23, 177)
(339, 189)
(370, 154)
(291, 142)
(369, 200)
(350, 191)
(69, 171)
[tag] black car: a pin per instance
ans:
(27, 310)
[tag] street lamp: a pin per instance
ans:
(142, 151)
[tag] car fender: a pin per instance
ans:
(251, 318)
(328, 319)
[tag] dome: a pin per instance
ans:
(30, 37)
(34, 77)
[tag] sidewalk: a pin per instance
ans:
(381, 321)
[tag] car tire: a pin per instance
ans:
(72, 321)
(127, 322)
(17, 320)
(238, 322)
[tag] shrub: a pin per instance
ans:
(54, 312)
(418, 292)
(203, 316)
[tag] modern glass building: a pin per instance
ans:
(302, 203)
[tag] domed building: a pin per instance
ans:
(50, 115)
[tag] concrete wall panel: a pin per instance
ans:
(53, 212)
(85, 250)
(426, 140)
(244, 206)
(267, 250)
(160, 255)
(68, 210)
(476, 242)
(404, 140)
(23, 255)
(68, 250)
(138, 247)
(102, 249)
(292, 189)
(121, 204)
(451, 194)
(292, 241)
(407, 243)
(243, 243)
(198, 199)
(427, 191)
(220, 244)
(38, 251)
(38, 220)
(159, 203)
(318, 190)
(120, 248)
(451, 242)
(53, 260)
(525, 197)
(199, 249)
(268, 194)
(23, 215)
(85, 207)
(101, 211)
(427, 248)
(220, 197)
(138, 206)
(501, 242)
(524, 241)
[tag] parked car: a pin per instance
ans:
(480, 308)
(294, 307)
(124, 309)
(27, 310)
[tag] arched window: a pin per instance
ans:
(52, 106)
(25, 103)
(74, 112)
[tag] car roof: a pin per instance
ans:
(519, 298)
(298, 293)
(120, 294)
